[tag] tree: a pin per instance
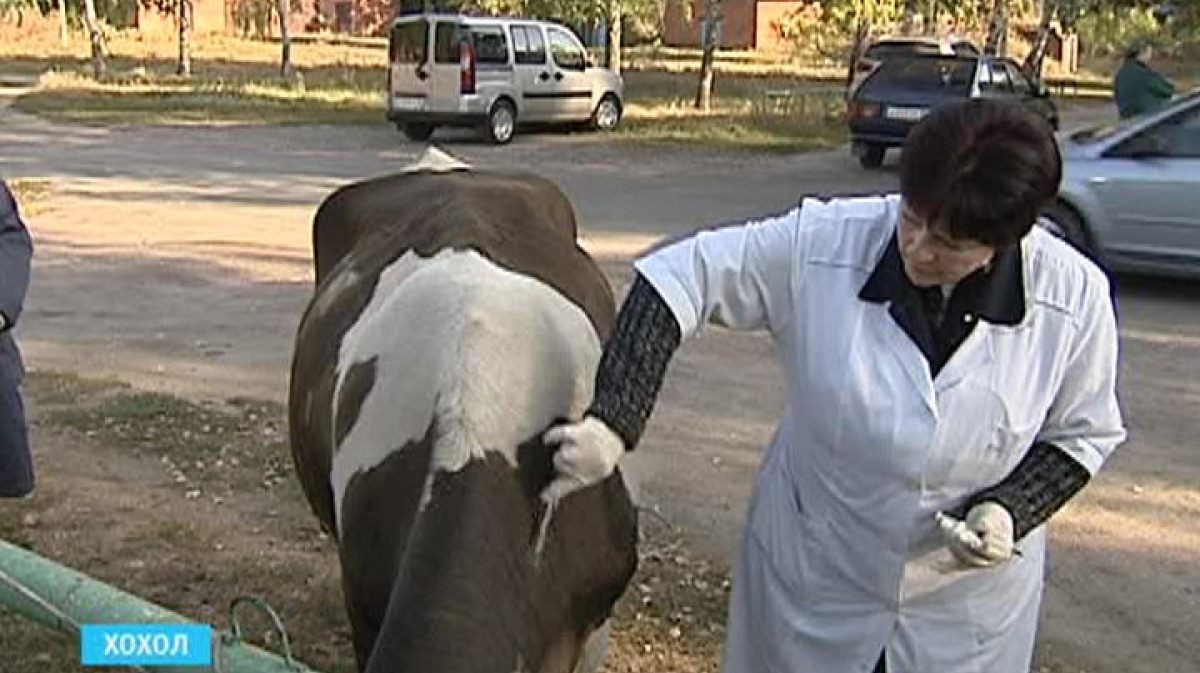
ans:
(95, 37)
(64, 30)
(1037, 52)
(184, 13)
(712, 20)
(908, 27)
(17, 7)
(612, 35)
(997, 33)
(285, 38)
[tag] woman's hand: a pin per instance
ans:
(983, 539)
(588, 452)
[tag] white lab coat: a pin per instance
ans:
(842, 558)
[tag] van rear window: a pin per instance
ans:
(408, 42)
(924, 73)
(447, 40)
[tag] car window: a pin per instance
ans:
(1020, 82)
(566, 51)
(881, 50)
(1176, 137)
(408, 42)
(993, 78)
(923, 73)
(965, 49)
(528, 46)
(491, 46)
(446, 41)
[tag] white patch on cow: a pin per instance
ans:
(492, 355)
(434, 160)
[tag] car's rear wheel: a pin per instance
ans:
(501, 122)
(1062, 221)
(417, 132)
(870, 155)
(607, 114)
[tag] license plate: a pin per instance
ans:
(408, 104)
(908, 114)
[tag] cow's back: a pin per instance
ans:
(520, 222)
(454, 318)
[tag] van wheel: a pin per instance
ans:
(417, 132)
(607, 114)
(870, 155)
(501, 122)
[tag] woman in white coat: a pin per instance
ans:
(951, 383)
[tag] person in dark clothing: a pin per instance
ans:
(16, 253)
(1137, 88)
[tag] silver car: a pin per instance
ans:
(493, 73)
(1131, 191)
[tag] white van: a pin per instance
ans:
(453, 70)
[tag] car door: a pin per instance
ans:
(1028, 93)
(1148, 184)
(443, 71)
(408, 49)
(531, 70)
(572, 87)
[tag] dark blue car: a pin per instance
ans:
(901, 91)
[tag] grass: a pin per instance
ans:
(756, 102)
(30, 194)
(208, 449)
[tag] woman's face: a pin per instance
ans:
(932, 257)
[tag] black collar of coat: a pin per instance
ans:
(995, 293)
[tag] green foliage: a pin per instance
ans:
(1105, 29)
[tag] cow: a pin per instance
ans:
(454, 319)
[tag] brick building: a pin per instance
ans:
(745, 24)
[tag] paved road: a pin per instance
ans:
(1125, 580)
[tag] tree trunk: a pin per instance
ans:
(64, 30)
(997, 35)
(908, 27)
(712, 19)
(96, 37)
(285, 38)
(184, 11)
(1037, 54)
(612, 36)
(862, 32)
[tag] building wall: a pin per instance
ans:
(767, 20)
(737, 26)
(208, 16)
(747, 24)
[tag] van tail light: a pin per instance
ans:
(466, 64)
(864, 110)
(864, 65)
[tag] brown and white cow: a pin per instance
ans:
(455, 318)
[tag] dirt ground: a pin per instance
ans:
(163, 468)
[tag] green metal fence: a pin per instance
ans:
(62, 599)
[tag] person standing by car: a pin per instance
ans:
(16, 252)
(1137, 88)
(951, 382)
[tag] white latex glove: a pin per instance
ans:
(588, 452)
(984, 539)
